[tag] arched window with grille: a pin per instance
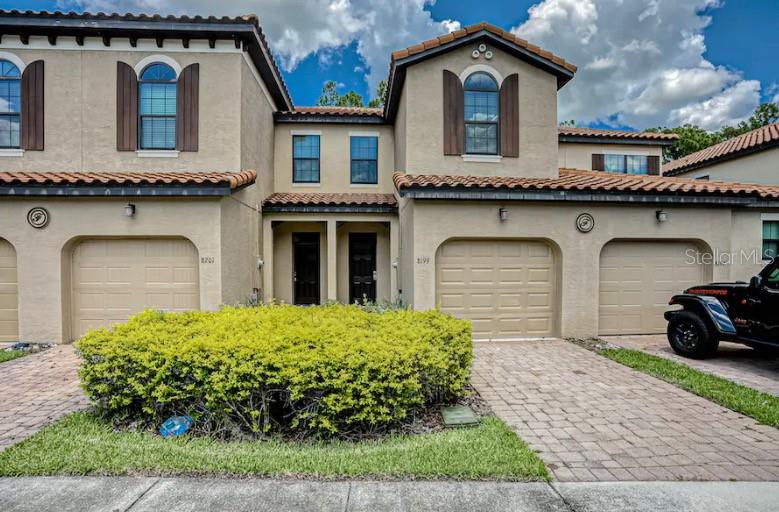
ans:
(157, 109)
(481, 111)
(10, 105)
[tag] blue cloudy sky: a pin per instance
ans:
(641, 63)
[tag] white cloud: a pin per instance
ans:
(641, 62)
(298, 28)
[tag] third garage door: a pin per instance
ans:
(113, 279)
(638, 278)
(506, 288)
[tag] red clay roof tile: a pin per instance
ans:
(591, 181)
(764, 137)
(233, 179)
(614, 134)
(329, 199)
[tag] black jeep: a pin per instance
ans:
(740, 312)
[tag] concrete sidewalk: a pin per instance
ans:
(123, 494)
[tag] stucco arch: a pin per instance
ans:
(14, 59)
(153, 59)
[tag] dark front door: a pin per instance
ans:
(768, 304)
(305, 272)
(362, 267)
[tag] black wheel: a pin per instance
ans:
(690, 337)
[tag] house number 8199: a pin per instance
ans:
(423, 260)
(207, 259)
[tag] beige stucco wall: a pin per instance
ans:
(423, 138)
(436, 222)
(762, 167)
(80, 109)
(576, 155)
(334, 157)
(43, 255)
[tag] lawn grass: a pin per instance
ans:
(745, 400)
(8, 355)
(83, 443)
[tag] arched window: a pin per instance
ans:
(10, 102)
(481, 114)
(158, 107)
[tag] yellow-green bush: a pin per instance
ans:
(328, 369)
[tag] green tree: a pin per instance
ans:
(330, 97)
(570, 123)
(691, 139)
(381, 95)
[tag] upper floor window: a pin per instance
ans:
(364, 157)
(10, 105)
(305, 162)
(770, 239)
(626, 164)
(157, 107)
(481, 114)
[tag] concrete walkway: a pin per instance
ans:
(592, 419)
(734, 362)
(36, 390)
(98, 494)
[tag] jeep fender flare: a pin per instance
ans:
(710, 309)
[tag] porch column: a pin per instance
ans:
(332, 261)
(394, 258)
(267, 259)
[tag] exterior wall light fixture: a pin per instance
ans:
(503, 214)
(129, 210)
(661, 215)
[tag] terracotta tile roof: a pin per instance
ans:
(614, 134)
(336, 111)
(591, 181)
(233, 179)
(325, 199)
(166, 23)
(504, 34)
(756, 140)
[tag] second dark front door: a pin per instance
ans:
(305, 272)
(362, 267)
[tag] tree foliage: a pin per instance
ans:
(330, 96)
(693, 138)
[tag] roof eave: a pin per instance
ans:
(328, 118)
(397, 67)
(583, 139)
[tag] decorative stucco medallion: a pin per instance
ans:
(585, 222)
(38, 217)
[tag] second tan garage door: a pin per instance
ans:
(114, 279)
(506, 288)
(638, 278)
(9, 323)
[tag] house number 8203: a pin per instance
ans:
(207, 259)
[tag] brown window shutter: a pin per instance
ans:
(126, 108)
(598, 162)
(454, 115)
(654, 165)
(32, 107)
(187, 98)
(509, 116)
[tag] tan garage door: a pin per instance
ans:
(114, 279)
(638, 278)
(9, 318)
(506, 288)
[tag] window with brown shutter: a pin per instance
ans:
(187, 108)
(598, 162)
(653, 165)
(32, 107)
(509, 116)
(126, 108)
(454, 120)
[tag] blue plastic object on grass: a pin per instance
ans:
(176, 426)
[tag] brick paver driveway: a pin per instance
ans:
(591, 418)
(733, 362)
(36, 390)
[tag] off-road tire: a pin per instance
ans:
(689, 336)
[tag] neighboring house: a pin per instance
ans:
(158, 162)
(749, 158)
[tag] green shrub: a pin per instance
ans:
(328, 369)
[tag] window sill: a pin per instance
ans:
(364, 185)
(305, 184)
(157, 153)
(11, 152)
(490, 159)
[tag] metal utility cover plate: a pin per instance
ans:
(459, 416)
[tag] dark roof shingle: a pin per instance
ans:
(755, 140)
